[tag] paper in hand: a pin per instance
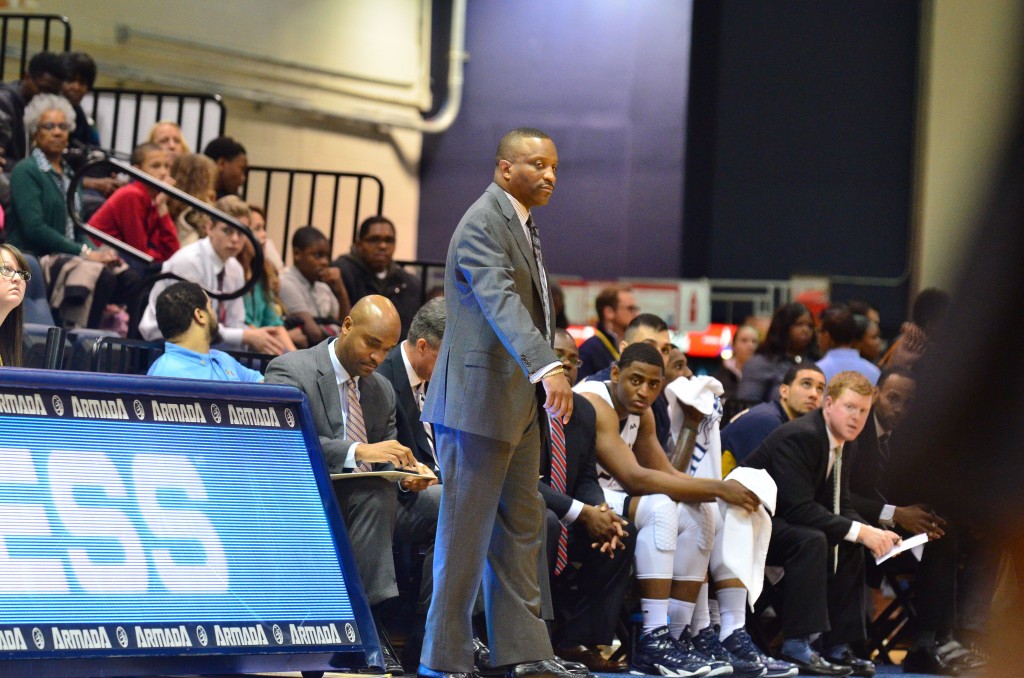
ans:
(906, 544)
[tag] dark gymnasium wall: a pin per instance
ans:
(607, 79)
(797, 138)
(801, 144)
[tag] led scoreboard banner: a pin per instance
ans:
(168, 526)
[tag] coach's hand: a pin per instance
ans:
(559, 394)
(386, 451)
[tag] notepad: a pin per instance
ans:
(918, 540)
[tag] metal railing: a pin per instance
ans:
(195, 203)
(124, 116)
(297, 197)
(23, 35)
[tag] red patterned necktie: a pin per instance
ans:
(356, 429)
(558, 484)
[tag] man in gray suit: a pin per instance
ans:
(326, 373)
(483, 405)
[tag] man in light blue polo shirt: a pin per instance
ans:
(185, 315)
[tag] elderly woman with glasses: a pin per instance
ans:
(14, 277)
(39, 223)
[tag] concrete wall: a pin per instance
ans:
(973, 74)
(383, 44)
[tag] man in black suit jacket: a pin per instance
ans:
(815, 542)
(409, 367)
(876, 499)
(587, 613)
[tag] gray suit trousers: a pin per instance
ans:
(370, 510)
(491, 522)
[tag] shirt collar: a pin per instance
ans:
(218, 263)
(879, 431)
(520, 209)
(339, 372)
(185, 353)
(833, 442)
(414, 379)
(44, 164)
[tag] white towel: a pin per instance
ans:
(702, 393)
(743, 539)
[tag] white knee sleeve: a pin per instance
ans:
(657, 522)
(719, 571)
(693, 545)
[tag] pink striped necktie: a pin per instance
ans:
(558, 473)
(355, 428)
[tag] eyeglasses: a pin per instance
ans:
(562, 355)
(50, 126)
(8, 272)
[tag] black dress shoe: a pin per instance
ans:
(575, 668)
(928, 660)
(482, 659)
(426, 672)
(391, 663)
(859, 667)
(544, 668)
(818, 666)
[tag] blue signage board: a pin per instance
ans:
(161, 526)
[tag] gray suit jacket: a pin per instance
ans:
(310, 370)
(494, 331)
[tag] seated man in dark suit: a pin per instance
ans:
(353, 410)
(816, 532)
(587, 613)
(874, 498)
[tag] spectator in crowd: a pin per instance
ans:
(167, 135)
(196, 175)
(744, 344)
(790, 340)
(816, 532)
(587, 608)
(370, 269)
(84, 280)
(211, 263)
(258, 225)
(675, 532)
(840, 331)
(263, 306)
(45, 74)
(870, 343)
(864, 308)
(186, 317)
(14, 277)
(354, 410)
(5, 178)
(874, 496)
(137, 214)
(79, 78)
(311, 289)
(100, 183)
(801, 391)
(616, 308)
(232, 164)
(916, 336)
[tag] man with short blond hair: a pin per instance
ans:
(616, 307)
(815, 530)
